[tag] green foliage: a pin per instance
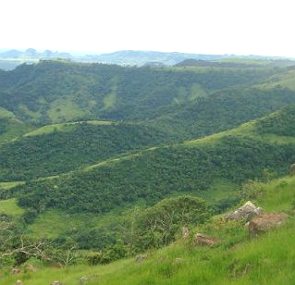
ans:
(158, 226)
(225, 110)
(72, 147)
(30, 215)
(108, 255)
(11, 129)
(155, 174)
(280, 123)
(61, 91)
(121, 184)
(267, 259)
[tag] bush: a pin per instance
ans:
(30, 215)
(107, 255)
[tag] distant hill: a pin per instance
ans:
(130, 57)
(31, 53)
(9, 59)
(207, 63)
(233, 61)
(61, 91)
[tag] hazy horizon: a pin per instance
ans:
(262, 28)
(83, 52)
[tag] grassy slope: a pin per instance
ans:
(10, 207)
(10, 126)
(64, 127)
(284, 79)
(265, 260)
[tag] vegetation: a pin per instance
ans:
(100, 163)
(51, 92)
(52, 151)
(157, 173)
(267, 259)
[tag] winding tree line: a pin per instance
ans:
(156, 174)
(77, 145)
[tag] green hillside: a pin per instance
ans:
(224, 110)
(52, 92)
(152, 174)
(10, 126)
(103, 162)
(188, 102)
(56, 149)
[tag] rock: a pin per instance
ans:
(246, 212)
(19, 282)
(178, 260)
(30, 267)
(15, 271)
(83, 280)
(185, 232)
(265, 222)
(292, 169)
(204, 240)
(56, 283)
(140, 258)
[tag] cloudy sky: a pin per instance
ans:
(263, 27)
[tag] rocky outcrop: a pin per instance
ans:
(30, 268)
(204, 240)
(178, 260)
(246, 212)
(185, 232)
(56, 283)
(15, 271)
(83, 280)
(140, 258)
(265, 222)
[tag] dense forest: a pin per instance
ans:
(51, 92)
(155, 174)
(73, 146)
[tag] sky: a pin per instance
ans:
(260, 27)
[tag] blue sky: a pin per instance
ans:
(207, 26)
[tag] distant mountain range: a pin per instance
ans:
(130, 57)
(125, 57)
(9, 59)
(31, 53)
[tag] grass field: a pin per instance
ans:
(11, 208)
